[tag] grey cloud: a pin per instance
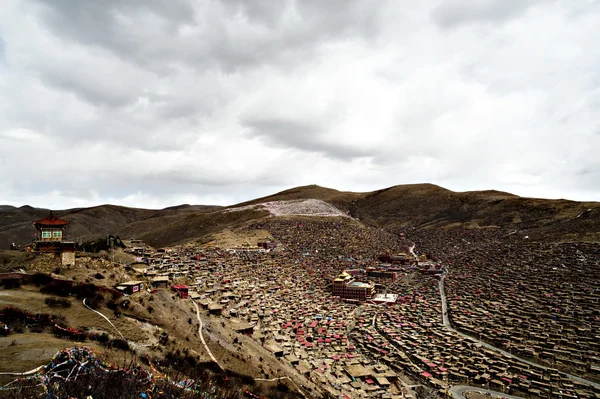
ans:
(217, 36)
(144, 102)
(215, 179)
(452, 13)
(88, 88)
(302, 136)
(264, 12)
(331, 18)
(116, 25)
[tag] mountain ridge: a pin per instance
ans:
(419, 206)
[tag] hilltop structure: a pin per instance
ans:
(346, 287)
(51, 239)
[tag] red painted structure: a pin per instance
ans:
(50, 228)
(181, 289)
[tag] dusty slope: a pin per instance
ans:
(16, 224)
(171, 229)
(425, 206)
(340, 199)
(429, 206)
(416, 205)
(298, 207)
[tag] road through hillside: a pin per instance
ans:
(448, 325)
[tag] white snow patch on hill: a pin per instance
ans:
(306, 207)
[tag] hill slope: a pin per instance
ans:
(413, 205)
(86, 223)
(431, 206)
(339, 199)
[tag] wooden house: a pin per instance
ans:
(131, 287)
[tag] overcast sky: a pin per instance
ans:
(153, 103)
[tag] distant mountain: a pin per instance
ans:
(420, 206)
(16, 225)
(7, 208)
(431, 206)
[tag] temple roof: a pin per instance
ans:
(343, 276)
(50, 220)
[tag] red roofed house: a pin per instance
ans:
(51, 239)
(181, 289)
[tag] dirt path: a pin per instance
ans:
(33, 371)
(202, 337)
(412, 250)
(105, 318)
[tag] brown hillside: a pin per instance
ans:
(340, 199)
(16, 224)
(85, 223)
(170, 229)
(430, 206)
(415, 205)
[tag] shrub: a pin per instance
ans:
(119, 344)
(11, 283)
(103, 338)
(111, 304)
(94, 302)
(85, 291)
(58, 287)
(283, 388)
(17, 327)
(57, 302)
(40, 279)
(37, 328)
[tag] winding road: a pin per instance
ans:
(448, 325)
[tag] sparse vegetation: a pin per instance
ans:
(58, 302)
(102, 244)
(11, 283)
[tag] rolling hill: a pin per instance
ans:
(430, 206)
(421, 206)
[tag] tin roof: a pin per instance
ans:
(129, 283)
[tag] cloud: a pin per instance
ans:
(452, 13)
(297, 135)
(229, 35)
(150, 103)
(2, 45)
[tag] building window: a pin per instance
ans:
(57, 234)
(46, 234)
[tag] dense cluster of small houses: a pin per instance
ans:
(280, 293)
